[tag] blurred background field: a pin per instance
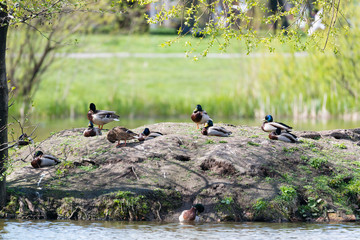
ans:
(149, 81)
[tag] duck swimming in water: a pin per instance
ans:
(199, 116)
(210, 130)
(191, 214)
(120, 133)
(270, 126)
(41, 160)
(147, 135)
(101, 117)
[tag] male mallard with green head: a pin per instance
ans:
(210, 130)
(147, 135)
(270, 126)
(92, 131)
(101, 117)
(284, 136)
(41, 160)
(191, 214)
(199, 116)
(120, 133)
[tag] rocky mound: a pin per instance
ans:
(244, 177)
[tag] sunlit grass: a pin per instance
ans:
(305, 86)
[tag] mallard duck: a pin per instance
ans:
(92, 131)
(284, 136)
(101, 117)
(210, 130)
(270, 126)
(120, 133)
(199, 116)
(41, 160)
(191, 214)
(24, 139)
(147, 135)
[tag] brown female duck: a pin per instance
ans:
(120, 133)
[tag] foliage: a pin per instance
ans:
(250, 143)
(288, 193)
(318, 162)
(313, 208)
(260, 206)
(340, 145)
(221, 21)
(127, 205)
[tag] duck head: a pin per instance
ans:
(38, 154)
(90, 125)
(146, 132)
(268, 118)
(92, 107)
(209, 123)
(199, 207)
(198, 108)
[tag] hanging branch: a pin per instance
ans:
(333, 20)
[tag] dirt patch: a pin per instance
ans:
(243, 177)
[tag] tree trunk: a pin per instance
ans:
(4, 91)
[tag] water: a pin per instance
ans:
(13, 229)
(46, 127)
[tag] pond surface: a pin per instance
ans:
(44, 128)
(13, 229)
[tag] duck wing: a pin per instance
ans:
(107, 114)
(49, 160)
(282, 126)
(219, 131)
(275, 126)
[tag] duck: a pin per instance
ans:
(284, 136)
(24, 140)
(101, 117)
(91, 131)
(210, 130)
(192, 214)
(147, 135)
(270, 126)
(41, 160)
(199, 116)
(121, 133)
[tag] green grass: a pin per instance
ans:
(152, 87)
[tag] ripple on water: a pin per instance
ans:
(12, 229)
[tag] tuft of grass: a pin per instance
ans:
(317, 163)
(340, 145)
(209, 141)
(253, 144)
(88, 168)
(291, 149)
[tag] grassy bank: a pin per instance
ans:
(281, 84)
